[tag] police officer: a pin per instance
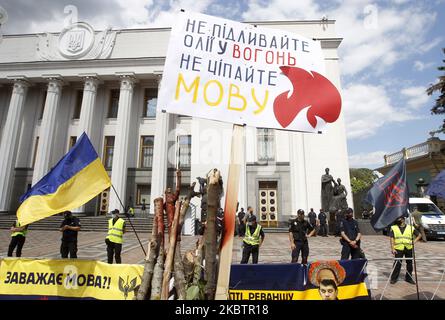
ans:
(298, 230)
(322, 218)
(312, 216)
(18, 238)
(114, 240)
(350, 236)
(69, 227)
(252, 241)
(401, 236)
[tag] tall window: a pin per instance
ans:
(108, 151)
(78, 104)
(42, 107)
(146, 156)
(72, 142)
(113, 105)
(36, 146)
(185, 151)
(266, 144)
(150, 102)
(143, 192)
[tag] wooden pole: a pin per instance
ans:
(414, 257)
(152, 254)
(170, 253)
(237, 151)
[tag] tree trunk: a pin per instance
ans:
(198, 262)
(188, 262)
(156, 283)
(180, 282)
(171, 253)
(153, 251)
(214, 192)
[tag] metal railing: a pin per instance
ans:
(418, 150)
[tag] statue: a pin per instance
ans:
(327, 190)
(339, 201)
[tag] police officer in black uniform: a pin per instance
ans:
(323, 223)
(69, 227)
(350, 237)
(313, 220)
(298, 230)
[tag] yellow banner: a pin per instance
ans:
(69, 278)
(344, 292)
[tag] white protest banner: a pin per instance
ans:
(234, 72)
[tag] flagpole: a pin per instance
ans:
(128, 216)
(414, 256)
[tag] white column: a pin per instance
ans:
(160, 157)
(122, 134)
(10, 140)
(47, 128)
(298, 173)
(88, 103)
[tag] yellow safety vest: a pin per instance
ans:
(22, 233)
(252, 239)
(116, 231)
(404, 240)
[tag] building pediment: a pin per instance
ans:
(78, 41)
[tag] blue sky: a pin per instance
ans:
(389, 55)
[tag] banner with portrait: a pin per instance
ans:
(320, 280)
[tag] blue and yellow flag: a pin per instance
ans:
(76, 179)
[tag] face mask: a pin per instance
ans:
(113, 215)
(249, 223)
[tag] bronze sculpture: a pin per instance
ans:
(327, 190)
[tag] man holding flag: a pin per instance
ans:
(390, 196)
(402, 246)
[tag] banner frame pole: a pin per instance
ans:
(225, 256)
(128, 216)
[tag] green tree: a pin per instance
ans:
(361, 179)
(439, 107)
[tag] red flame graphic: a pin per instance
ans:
(310, 89)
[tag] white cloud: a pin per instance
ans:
(367, 159)
(367, 108)
(420, 66)
(416, 96)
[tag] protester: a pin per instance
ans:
(298, 230)
(401, 236)
(18, 237)
(350, 237)
(312, 216)
(69, 227)
(114, 239)
(252, 241)
(322, 218)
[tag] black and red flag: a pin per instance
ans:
(389, 196)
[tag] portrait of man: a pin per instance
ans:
(327, 276)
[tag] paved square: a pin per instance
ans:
(276, 249)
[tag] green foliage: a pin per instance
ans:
(439, 107)
(361, 179)
(196, 291)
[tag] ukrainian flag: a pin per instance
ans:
(76, 179)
